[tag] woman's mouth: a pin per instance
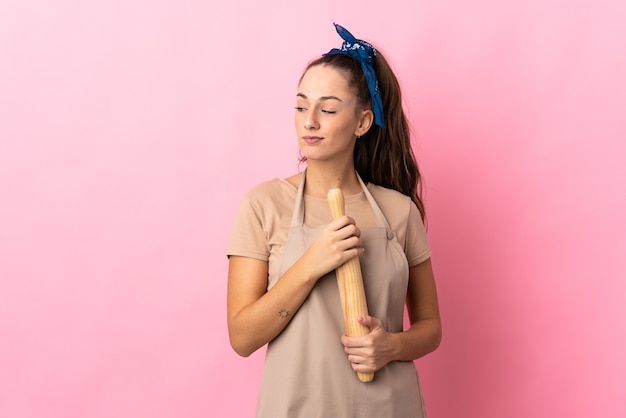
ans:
(309, 139)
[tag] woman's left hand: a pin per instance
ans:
(371, 352)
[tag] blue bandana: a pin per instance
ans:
(364, 53)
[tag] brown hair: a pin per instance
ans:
(382, 156)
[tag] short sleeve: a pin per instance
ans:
(416, 245)
(248, 238)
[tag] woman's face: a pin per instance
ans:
(328, 117)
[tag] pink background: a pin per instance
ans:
(130, 129)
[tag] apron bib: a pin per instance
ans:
(306, 372)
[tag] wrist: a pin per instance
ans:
(395, 346)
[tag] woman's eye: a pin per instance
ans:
(299, 108)
(330, 112)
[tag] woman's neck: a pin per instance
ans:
(320, 179)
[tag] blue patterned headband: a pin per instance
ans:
(364, 53)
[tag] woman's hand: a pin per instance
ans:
(371, 352)
(338, 242)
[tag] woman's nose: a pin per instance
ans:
(311, 121)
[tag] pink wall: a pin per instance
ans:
(129, 130)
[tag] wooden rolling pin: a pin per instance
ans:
(350, 282)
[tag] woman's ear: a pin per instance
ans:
(365, 122)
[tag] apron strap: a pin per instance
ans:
(297, 218)
(381, 221)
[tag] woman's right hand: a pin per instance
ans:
(338, 242)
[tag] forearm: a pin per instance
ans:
(262, 320)
(420, 339)
(424, 335)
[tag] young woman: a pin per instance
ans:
(285, 247)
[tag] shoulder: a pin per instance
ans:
(387, 193)
(390, 201)
(270, 194)
(270, 189)
(405, 220)
(399, 209)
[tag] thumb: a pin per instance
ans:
(370, 321)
